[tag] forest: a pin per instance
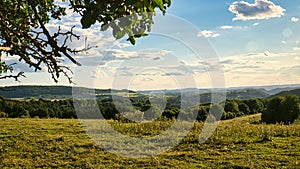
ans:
(284, 109)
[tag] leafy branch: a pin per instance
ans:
(24, 32)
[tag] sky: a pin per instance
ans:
(198, 43)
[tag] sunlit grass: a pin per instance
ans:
(238, 143)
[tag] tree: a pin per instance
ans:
(282, 109)
(216, 110)
(244, 108)
(24, 32)
(153, 113)
(255, 106)
(202, 113)
(171, 112)
(231, 106)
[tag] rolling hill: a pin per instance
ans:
(63, 92)
(45, 92)
(289, 92)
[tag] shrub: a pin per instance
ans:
(228, 115)
(3, 115)
(136, 116)
(202, 113)
(153, 113)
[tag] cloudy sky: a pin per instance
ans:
(199, 43)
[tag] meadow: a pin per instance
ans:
(62, 143)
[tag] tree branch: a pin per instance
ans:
(16, 77)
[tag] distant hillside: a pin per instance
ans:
(292, 92)
(35, 91)
(245, 94)
(62, 92)
(45, 92)
(278, 90)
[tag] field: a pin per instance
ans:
(61, 143)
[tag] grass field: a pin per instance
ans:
(61, 143)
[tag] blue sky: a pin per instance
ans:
(257, 43)
(212, 15)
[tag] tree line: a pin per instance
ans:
(278, 109)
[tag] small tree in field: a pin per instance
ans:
(282, 110)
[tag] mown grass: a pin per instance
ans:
(61, 143)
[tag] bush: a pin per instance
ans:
(3, 115)
(282, 110)
(136, 116)
(153, 113)
(228, 115)
(202, 113)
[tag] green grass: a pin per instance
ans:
(237, 143)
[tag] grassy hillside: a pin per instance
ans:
(237, 143)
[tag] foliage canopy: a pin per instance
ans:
(282, 109)
(24, 32)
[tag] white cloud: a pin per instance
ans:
(294, 19)
(99, 74)
(208, 34)
(226, 27)
(296, 49)
(261, 9)
(261, 69)
(283, 42)
(291, 71)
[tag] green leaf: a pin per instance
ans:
(168, 2)
(139, 5)
(87, 2)
(140, 35)
(118, 34)
(132, 40)
(130, 2)
(87, 20)
(104, 27)
(160, 4)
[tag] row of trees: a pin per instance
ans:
(111, 109)
(233, 108)
(37, 108)
(279, 109)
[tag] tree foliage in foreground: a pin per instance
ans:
(24, 32)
